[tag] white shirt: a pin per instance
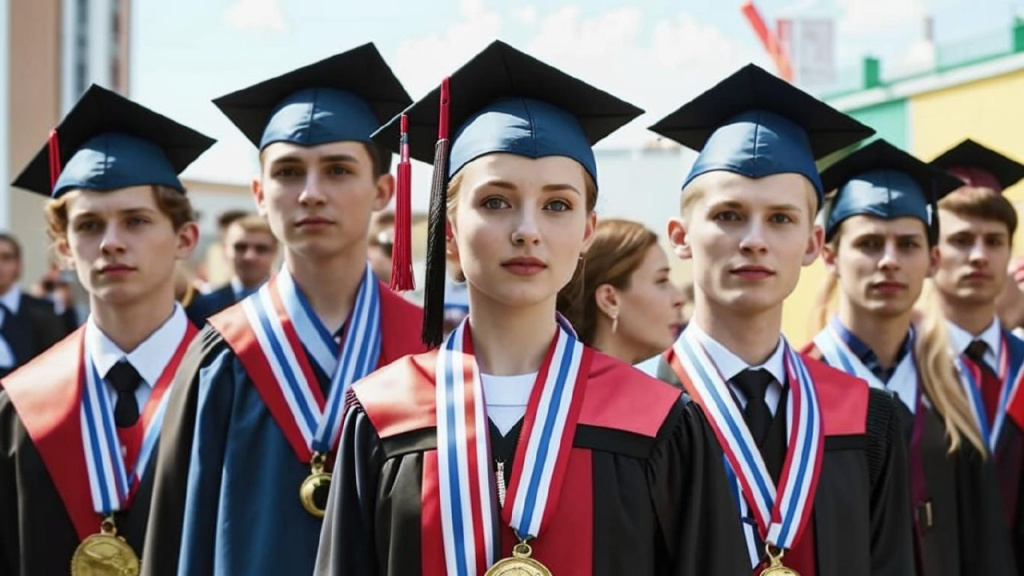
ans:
(149, 358)
(992, 336)
(730, 365)
(506, 398)
(12, 299)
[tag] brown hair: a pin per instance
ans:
(255, 224)
(935, 367)
(13, 242)
(170, 201)
(452, 199)
(983, 204)
(618, 249)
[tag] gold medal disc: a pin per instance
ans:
(315, 488)
(520, 564)
(104, 554)
(775, 567)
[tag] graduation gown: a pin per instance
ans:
(958, 521)
(860, 522)
(45, 505)
(227, 500)
(645, 492)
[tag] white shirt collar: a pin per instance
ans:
(236, 287)
(961, 339)
(12, 298)
(149, 358)
(730, 364)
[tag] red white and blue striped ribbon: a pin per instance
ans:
(111, 483)
(971, 381)
(781, 513)
(467, 493)
(278, 314)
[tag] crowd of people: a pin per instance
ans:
(556, 405)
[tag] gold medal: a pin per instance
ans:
(520, 564)
(775, 567)
(104, 554)
(315, 488)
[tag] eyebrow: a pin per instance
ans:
(506, 185)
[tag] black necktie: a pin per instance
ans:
(990, 383)
(125, 380)
(754, 384)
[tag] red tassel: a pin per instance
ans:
(402, 278)
(53, 147)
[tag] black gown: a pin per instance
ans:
(1010, 465)
(958, 523)
(632, 504)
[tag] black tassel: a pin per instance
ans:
(433, 289)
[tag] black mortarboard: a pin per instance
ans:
(882, 181)
(756, 125)
(502, 100)
(110, 142)
(344, 97)
(977, 165)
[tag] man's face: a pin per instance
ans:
(10, 266)
(973, 258)
(748, 239)
(251, 254)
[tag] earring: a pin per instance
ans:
(615, 322)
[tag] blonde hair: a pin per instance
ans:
(932, 358)
(254, 224)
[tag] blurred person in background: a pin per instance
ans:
(250, 249)
(28, 325)
(625, 306)
(380, 244)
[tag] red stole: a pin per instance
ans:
(400, 398)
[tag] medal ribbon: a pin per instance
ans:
(837, 353)
(467, 495)
(781, 513)
(278, 313)
(970, 378)
(111, 483)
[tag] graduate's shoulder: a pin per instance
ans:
(61, 360)
(621, 397)
(843, 398)
(399, 397)
(402, 323)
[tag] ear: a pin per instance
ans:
(814, 245)
(678, 236)
(188, 239)
(830, 257)
(385, 190)
(607, 299)
(64, 257)
(256, 187)
(451, 246)
(588, 233)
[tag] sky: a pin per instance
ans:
(656, 54)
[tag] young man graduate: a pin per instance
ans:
(976, 227)
(880, 236)
(79, 424)
(254, 431)
(514, 448)
(817, 461)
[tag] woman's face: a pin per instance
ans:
(650, 308)
(519, 226)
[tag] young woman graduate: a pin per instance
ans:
(246, 466)
(79, 424)
(815, 455)
(976, 228)
(514, 448)
(880, 234)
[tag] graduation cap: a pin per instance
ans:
(344, 97)
(755, 125)
(108, 142)
(977, 165)
(502, 100)
(882, 181)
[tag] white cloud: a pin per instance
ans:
(525, 14)
(868, 17)
(265, 15)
